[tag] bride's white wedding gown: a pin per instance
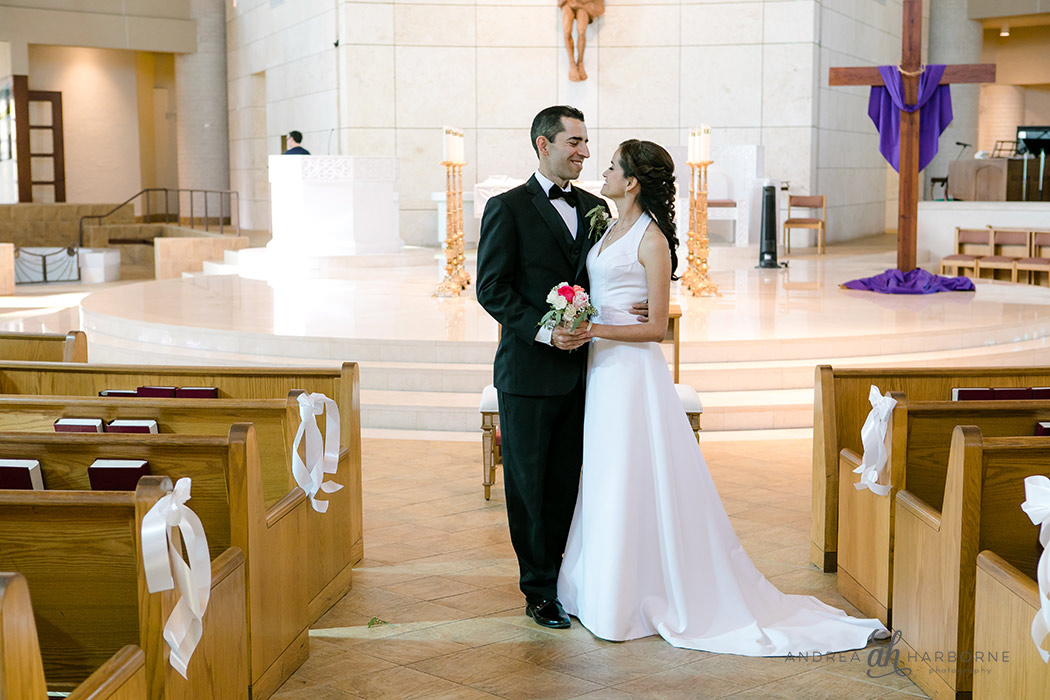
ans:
(651, 550)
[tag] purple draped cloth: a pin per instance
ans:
(917, 281)
(886, 103)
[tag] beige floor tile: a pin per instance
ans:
(537, 684)
(484, 602)
(608, 666)
(431, 588)
(398, 683)
(685, 683)
(538, 648)
(302, 689)
(472, 667)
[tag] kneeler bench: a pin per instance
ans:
(491, 448)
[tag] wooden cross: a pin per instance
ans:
(910, 67)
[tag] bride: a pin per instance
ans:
(650, 548)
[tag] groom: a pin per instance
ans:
(532, 238)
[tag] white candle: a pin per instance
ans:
(692, 146)
(460, 148)
(447, 146)
(704, 145)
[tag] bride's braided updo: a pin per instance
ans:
(653, 167)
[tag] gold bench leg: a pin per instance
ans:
(489, 451)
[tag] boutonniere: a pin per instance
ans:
(599, 220)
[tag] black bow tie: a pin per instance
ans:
(557, 192)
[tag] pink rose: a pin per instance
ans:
(567, 292)
(581, 299)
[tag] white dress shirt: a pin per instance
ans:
(568, 215)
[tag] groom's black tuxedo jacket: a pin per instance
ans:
(524, 250)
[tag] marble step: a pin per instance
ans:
(213, 267)
(458, 412)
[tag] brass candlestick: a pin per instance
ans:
(696, 278)
(456, 276)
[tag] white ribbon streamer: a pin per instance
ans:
(1037, 507)
(161, 559)
(873, 437)
(321, 458)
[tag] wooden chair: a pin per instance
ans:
(122, 677)
(491, 452)
(1008, 247)
(970, 244)
(227, 496)
(817, 201)
(44, 347)
(840, 405)
(935, 572)
(1039, 262)
(919, 447)
(328, 570)
(80, 553)
(1007, 599)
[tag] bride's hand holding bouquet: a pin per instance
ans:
(569, 316)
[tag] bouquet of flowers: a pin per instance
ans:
(570, 306)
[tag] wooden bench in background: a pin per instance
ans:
(328, 570)
(934, 577)
(342, 385)
(227, 496)
(1007, 600)
(840, 405)
(44, 347)
(80, 553)
(121, 677)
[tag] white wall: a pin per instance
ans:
(100, 115)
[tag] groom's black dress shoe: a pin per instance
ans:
(548, 613)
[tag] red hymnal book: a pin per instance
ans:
(1042, 428)
(157, 392)
(1041, 393)
(118, 392)
(21, 474)
(1015, 393)
(972, 394)
(80, 425)
(197, 392)
(117, 474)
(122, 425)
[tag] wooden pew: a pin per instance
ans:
(840, 405)
(935, 570)
(121, 677)
(227, 496)
(328, 571)
(44, 347)
(920, 435)
(342, 385)
(80, 553)
(1006, 602)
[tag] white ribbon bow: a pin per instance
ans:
(161, 559)
(320, 459)
(1037, 507)
(873, 437)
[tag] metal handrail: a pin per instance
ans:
(232, 199)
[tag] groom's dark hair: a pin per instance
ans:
(548, 123)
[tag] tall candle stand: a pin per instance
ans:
(456, 276)
(696, 278)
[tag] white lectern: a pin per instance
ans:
(332, 206)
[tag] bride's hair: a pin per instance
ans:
(653, 167)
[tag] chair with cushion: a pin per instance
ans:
(491, 452)
(1039, 262)
(1008, 246)
(970, 244)
(816, 201)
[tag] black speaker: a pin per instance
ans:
(767, 247)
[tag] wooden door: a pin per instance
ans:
(47, 163)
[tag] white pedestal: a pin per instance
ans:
(332, 206)
(99, 265)
(937, 221)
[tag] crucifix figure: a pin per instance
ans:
(911, 69)
(583, 12)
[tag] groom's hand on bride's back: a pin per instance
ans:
(564, 339)
(641, 310)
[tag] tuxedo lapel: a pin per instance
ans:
(582, 229)
(550, 217)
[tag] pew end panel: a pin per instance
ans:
(123, 677)
(44, 347)
(825, 504)
(1006, 663)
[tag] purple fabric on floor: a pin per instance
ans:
(885, 105)
(917, 281)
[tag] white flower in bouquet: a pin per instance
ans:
(560, 303)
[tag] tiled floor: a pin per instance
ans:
(440, 573)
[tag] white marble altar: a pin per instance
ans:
(937, 221)
(332, 206)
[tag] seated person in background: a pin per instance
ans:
(294, 149)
